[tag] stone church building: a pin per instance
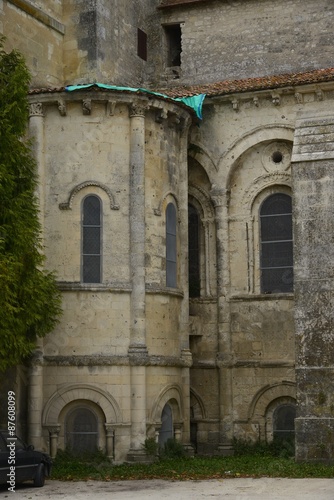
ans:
(193, 243)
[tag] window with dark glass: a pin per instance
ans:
(91, 240)
(194, 252)
(142, 44)
(276, 259)
(171, 246)
(284, 422)
(82, 431)
(166, 430)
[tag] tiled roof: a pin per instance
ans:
(176, 3)
(251, 84)
(227, 87)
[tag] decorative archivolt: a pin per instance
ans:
(158, 211)
(261, 183)
(171, 394)
(74, 392)
(203, 199)
(267, 394)
(228, 162)
(68, 204)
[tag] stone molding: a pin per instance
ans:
(134, 359)
(68, 204)
(72, 392)
(159, 209)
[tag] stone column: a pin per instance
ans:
(35, 400)
(137, 348)
(54, 433)
(110, 438)
(36, 133)
(35, 394)
(224, 355)
(186, 355)
(313, 218)
(137, 228)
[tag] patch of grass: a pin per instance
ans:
(67, 467)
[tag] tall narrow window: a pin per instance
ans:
(193, 252)
(174, 48)
(171, 251)
(91, 240)
(166, 431)
(142, 44)
(276, 244)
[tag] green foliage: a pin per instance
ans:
(284, 448)
(29, 299)
(172, 449)
(151, 447)
(67, 467)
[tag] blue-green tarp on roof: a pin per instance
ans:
(195, 102)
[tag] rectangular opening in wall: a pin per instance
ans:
(142, 44)
(174, 46)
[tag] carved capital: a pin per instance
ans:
(138, 109)
(53, 430)
(218, 196)
(36, 109)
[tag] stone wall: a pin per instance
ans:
(247, 38)
(38, 34)
(313, 184)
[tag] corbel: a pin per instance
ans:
(111, 105)
(235, 104)
(86, 106)
(276, 99)
(62, 107)
(299, 98)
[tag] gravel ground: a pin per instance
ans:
(232, 489)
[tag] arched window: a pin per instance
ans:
(81, 431)
(276, 259)
(91, 240)
(284, 422)
(171, 251)
(166, 431)
(194, 252)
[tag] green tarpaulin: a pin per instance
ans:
(195, 102)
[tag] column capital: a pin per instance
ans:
(138, 108)
(36, 109)
(219, 196)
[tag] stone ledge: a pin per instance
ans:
(114, 361)
(38, 14)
